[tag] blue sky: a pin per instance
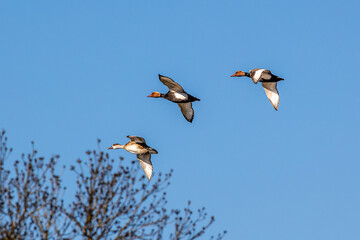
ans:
(75, 71)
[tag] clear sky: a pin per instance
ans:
(75, 71)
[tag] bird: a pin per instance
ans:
(137, 145)
(268, 82)
(177, 95)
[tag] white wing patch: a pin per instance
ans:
(181, 96)
(272, 93)
(257, 75)
(145, 162)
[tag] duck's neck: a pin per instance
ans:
(118, 146)
(247, 74)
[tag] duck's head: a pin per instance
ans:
(155, 95)
(238, 74)
(116, 146)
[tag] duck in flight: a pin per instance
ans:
(268, 82)
(137, 145)
(177, 95)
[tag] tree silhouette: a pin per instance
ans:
(30, 197)
(112, 201)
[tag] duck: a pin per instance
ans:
(268, 82)
(177, 95)
(137, 145)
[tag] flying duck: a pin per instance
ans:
(177, 95)
(268, 82)
(137, 145)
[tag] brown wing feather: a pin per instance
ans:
(187, 110)
(171, 84)
(145, 162)
(272, 93)
(136, 139)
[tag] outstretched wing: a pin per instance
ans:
(171, 84)
(272, 93)
(187, 110)
(136, 139)
(145, 162)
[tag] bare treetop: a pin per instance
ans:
(112, 201)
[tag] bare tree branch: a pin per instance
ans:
(112, 201)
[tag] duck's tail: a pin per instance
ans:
(152, 151)
(276, 78)
(193, 99)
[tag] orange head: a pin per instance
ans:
(238, 74)
(155, 95)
